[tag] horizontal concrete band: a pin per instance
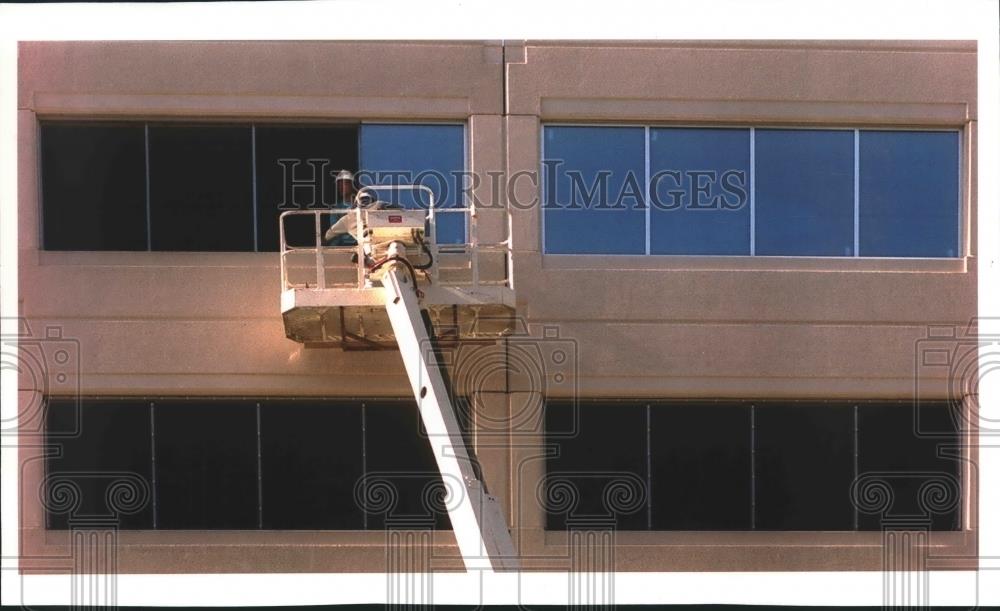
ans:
(782, 112)
(220, 105)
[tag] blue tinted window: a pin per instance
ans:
(699, 181)
(908, 194)
(593, 189)
(804, 192)
(432, 155)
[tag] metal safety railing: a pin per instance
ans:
(316, 265)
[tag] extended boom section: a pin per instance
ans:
(477, 519)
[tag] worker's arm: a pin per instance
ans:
(344, 225)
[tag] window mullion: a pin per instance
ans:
(649, 468)
(646, 190)
(856, 473)
(753, 180)
(260, 475)
(753, 467)
(857, 192)
(253, 185)
(152, 467)
(149, 224)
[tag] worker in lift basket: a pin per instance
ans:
(344, 231)
(338, 234)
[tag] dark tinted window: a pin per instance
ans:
(401, 464)
(312, 456)
(93, 186)
(103, 467)
(804, 192)
(908, 194)
(597, 474)
(786, 466)
(593, 190)
(699, 191)
(296, 169)
(201, 188)
(700, 467)
(910, 458)
(206, 464)
(429, 155)
(804, 463)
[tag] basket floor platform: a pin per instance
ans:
(355, 318)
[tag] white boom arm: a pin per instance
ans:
(477, 519)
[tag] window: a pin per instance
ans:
(804, 192)
(909, 194)
(205, 464)
(429, 155)
(400, 458)
(296, 169)
(93, 186)
(750, 191)
(105, 447)
(241, 464)
(805, 466)
(307, 470)
(920, 465)
(592, 190)
(699, 198)
(700, 481)
(592, 479)
(200, 188)
(222, 187)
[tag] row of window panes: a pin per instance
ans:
(212, 187)
(711, 191)
(241, 464)
(752, 466)
(750, 191)
(203, 463)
